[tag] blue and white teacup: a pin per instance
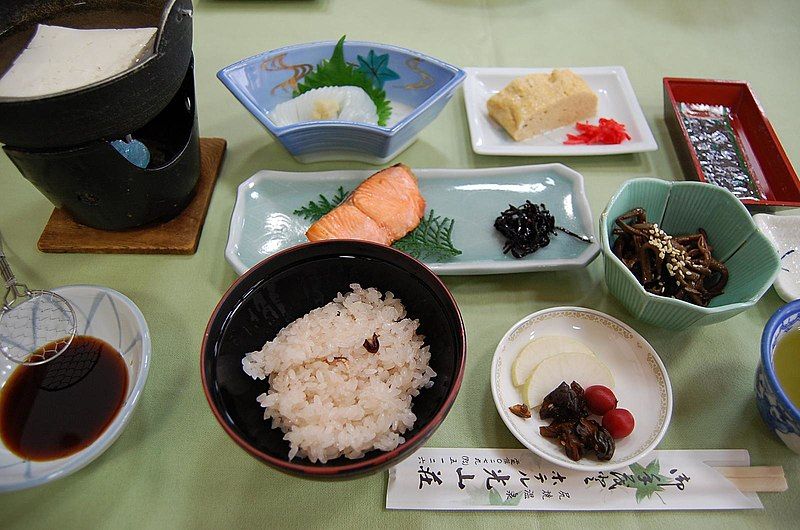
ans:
(780, 414)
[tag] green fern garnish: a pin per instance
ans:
(431, 239)
(315, 210)
(337, 72)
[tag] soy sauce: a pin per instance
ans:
(56, 409)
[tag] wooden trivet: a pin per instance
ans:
(178, 236)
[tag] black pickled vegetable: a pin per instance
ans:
(595, 436)
(564, 403)
(564, 433)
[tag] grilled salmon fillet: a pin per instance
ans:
(391, 197)
(382, 209)
(348, 222)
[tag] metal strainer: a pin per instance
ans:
(35, 326)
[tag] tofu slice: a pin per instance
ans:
(59, 59)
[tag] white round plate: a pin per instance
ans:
(641, 382)
(106, 314)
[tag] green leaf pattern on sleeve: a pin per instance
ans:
(646, 480)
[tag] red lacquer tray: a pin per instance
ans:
(765, 156)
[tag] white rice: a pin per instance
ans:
(328, 406)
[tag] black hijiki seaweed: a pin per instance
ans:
(527, 228)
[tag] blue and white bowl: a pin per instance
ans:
(779, 413)
(417, 85)
(111, 316)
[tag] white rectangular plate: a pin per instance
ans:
(263, 222)
(616, 100)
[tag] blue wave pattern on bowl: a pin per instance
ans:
(424, 84)
(106, 314)
(778, 412)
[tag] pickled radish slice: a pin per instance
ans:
(583, 368)
(540, 349)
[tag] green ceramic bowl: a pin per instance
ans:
(681, 208)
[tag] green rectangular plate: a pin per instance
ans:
(263, 223)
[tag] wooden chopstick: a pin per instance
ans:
(755, 479)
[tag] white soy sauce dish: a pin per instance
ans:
(101, 313)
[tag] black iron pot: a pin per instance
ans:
(108, 109)
(102, 189)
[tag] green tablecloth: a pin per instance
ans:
(174, 466)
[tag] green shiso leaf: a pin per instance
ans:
(431, 239)
(337, 72)
(315, 210)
